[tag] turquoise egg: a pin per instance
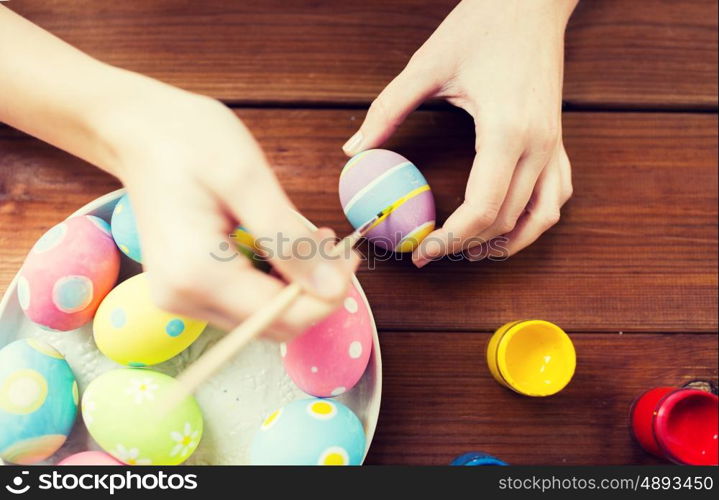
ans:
(124, 229)
(38, 401)
(309, 432)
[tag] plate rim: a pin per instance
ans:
(375, 404)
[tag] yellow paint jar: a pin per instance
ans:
(534, 358)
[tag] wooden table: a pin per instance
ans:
(630, 271)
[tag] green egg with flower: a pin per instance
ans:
(125, 414)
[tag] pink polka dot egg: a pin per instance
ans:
(331, 356)
(68, 272)
(90, 458)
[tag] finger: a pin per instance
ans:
(327, 238)
(306, 310)
(565, 174)
(486, 190)
(237, 299)
(477, 252)
(286, 240)
(542, 213)
(226, 292)
(520, 192)
(188, 277)
(398, 99)
(216, 317)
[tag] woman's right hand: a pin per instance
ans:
(192, 169)
(193, 172)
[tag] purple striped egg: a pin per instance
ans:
(375, 179)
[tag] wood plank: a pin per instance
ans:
(440, 401)
(636, 250)
(654, 53)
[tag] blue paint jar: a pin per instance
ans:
(477, 458)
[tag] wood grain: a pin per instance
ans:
(439, 399)
(636, 250)
(649, 54)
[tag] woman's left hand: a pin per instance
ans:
(502, 62)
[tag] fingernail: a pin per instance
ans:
(352, 145)
(327, 281)
(432, 249)
(421, 262)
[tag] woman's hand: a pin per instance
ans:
(192, 169)
(193, 172)
(502, 62)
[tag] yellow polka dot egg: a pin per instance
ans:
(309, 432)
(38, 401)
(131, 330)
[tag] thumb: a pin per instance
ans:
(295, 251)
(398, 99)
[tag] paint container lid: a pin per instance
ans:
(686, 427)
(536, 358)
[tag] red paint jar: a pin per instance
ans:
(680, 425)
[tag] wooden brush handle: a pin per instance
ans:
(215, 357)
(233, 342)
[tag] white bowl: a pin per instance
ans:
(234, 402)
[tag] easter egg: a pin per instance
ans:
(246, 245)
(330, 357)
(377, 178)
(125, 414)
(131, 330)
(124, 229)
(309, 432)
(68, 272)
(38, 401)
(90, 458)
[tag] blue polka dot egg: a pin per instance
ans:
(124, 229)
(131, 330)
(38, 401)
(309, 432)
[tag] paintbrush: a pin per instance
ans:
(215, 357)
